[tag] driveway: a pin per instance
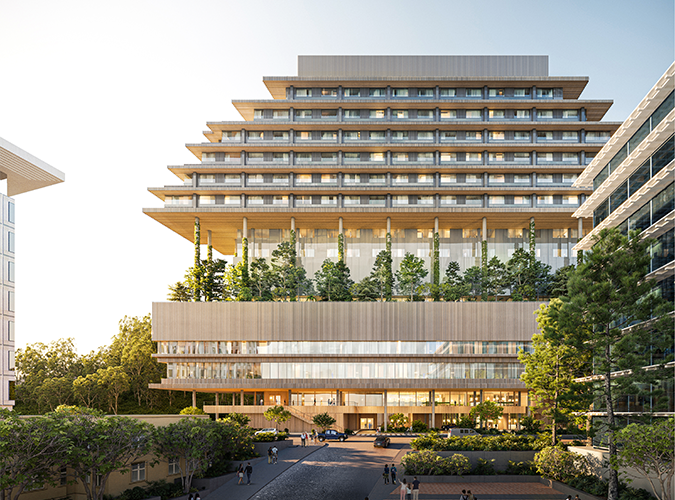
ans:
(339, 471)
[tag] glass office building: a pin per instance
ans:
(476, 149)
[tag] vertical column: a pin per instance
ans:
(388, 224)
(194, 398)
(292, 223)
(433, 408)
(217, 403)
(208, 237)
(241, 397)
(244, 229)
(386, 415)
(289, 397)
(195, 176)
(436, 225)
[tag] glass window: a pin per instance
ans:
(639, 178)
(425, 136)
(399, 92)
(376, 135)
(207, 157)
(425, 157)
(11, 239)
(521, 92)
(328, 92)
(570, 157)
(376, 114)
(328, 135)
(497, 93)
(11, 360)
(254, 200)
(592, 136)
(351, 135)
(138, 472)
(399, 135)
(231, 136)
(570, 199)
(497, 136)
(569, 178)
(377, 179)
(570, 113)
(207, 200)
(425, 92)
(425, 114)
(496, 113)
(329, 114)
(448, 135)
(303, 178)
(545, 93)
(473, 157)
(544, 113)
(351, 178)
(255, 135)
(496, 157)
(399, 200)
(280, 179)
(520, 135)
(10, 271)
(544, 178)
(352, 114)
(352, 200)
(522, 114)
(280, 114)
(521, 157)
(303, 113)
(473, 114)
(351, 157)
(448, 114)
(303, 200)
(303, 136)
(351, 92)
(446, 157)
(474, 92)
(377, 157)
(10, 212)
(10, 331)
(329, 200)
(544, 157)
(377, 92)
(303, 92)
(399, 113)
(570, 136)
(448, 92)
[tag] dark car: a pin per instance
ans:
(331, 434)
(381, 442)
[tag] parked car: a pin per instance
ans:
(331, 434)
(271, 429)
(460, 432)
(381, 442)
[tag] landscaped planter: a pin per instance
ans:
(501, 458)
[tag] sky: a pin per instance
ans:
(110, 93)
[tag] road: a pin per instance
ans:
(339, 471)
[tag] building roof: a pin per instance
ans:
(23, 171)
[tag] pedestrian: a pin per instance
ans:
(249, 471)
(261, 401)
(393, 473)
(302, 439)
(275, 455)
(269, 455)
(197, 497)
(463, 495)
(469, 495)
(576, 497)
(415, 489)
(240, 473)
(404, 490)
(385, 474)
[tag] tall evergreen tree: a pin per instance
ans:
(333, 282)
(410, 275)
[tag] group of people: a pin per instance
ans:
(272, 455)
(306, 436)
(467, 495)
(387, 472)
(248, 470)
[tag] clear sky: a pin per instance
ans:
(110, 92)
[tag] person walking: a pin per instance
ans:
(393, 473)
(303, 438)
(463, 496)
(249, 471)
(275, 455)
(385, 475)
(240, 473)
(269, 455)
(405, 490)
(469, 495)
(415, 489)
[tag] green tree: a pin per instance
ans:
(366, 290)
(88, 391)
(194, 442)
(454, 287)
(494, 279)
(410, 275)
(382, 274)
(551, 369)
(240, 419)
(333, 282)
(398, 421)
(213, 279)
(192, 410)
(487, 410)
(609, 311)
(473, 279)
(261, 280)
(323, 421)
(233, 281)
(648, 449)
(55, 391)
(288, 279)
(559, 281)
(32, 452)
(277, 414)
(180, 292)
(113, 381)
(99, 446)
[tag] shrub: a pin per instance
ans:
(484, 468)
(521, 468)
(264, 437)
(192, 410)
(429, 463)
(556, 463)
(504, 442)
(419, 426)
(349, 432)
(154, 489)
(530, 425)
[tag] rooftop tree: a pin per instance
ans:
(410, 275)
(333, 282)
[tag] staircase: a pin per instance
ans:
(307, 418)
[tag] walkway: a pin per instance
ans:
(484, 491)
(263, 473)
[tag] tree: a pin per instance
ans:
(367, 290)
(194, 442)
(381, 273)
(261, 280)
(487, 410)
(559, 281)
(288, 279)
(99, 446)
(31, 452)
(277, 414)
(333, 282)
(454, 287)
(398, 421)
(212, 279)
(473, 278)
(494, 280)
(192, 410)
(323, 421)
(410, 275)
(88, 391)
(114, 381)
(240, 419)
(551, 369)
(609, 311)
(649, 450)
(180, 292)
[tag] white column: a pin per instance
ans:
(386, 416)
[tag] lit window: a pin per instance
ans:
(570, 199)
(448, 114)
(425, 179)
(497, 93)
(496, 156)
(328, 92)
(515, 233)
(446, 157)
(400, 178)
(351, 135)
(352, 92)
(474, 135)
(376, 114)
(376, 156)
(474, 156)
(232, 200)
(279, 200)
(303, 136)
(303, 178)
(280, 135)
(328, 178)
(497, 136)
(497, 178)
(207, 200)
(138, 472)
(178, 200)
(545, 200)
(470, 233)
(399, 114)
(521, 114)
(496, 113)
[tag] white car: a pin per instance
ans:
(272, 430)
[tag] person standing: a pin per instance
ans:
(469, 495)
(415, 489)
(249, 471)
(463, 495)
(269, 455)
(404, 490)
(385, 475)
(275, 455)
(240, 473)
(393, 473)
(303, 438)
